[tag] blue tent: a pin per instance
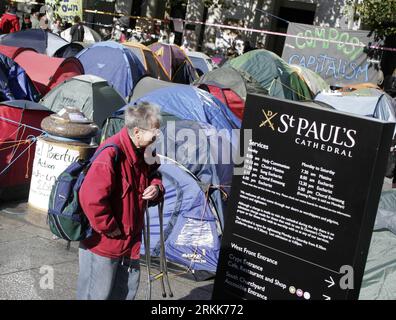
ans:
(42, 41)
(190, 103)
(196, 187)
(115, 63)
(199, 65)
(196, 106)
(372, 103)
(14, 82)
(196, 191)
(192, 237)
(205, 152)
(201, 62)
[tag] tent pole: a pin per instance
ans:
(22, 124)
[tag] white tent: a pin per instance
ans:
(90, 35)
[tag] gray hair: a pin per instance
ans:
(144, 115)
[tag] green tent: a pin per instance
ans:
(313, 80)
(272, 73)
(91, 94)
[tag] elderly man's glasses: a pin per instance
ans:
(154, 131)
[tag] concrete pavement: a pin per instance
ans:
(29, 254)
(28, 251)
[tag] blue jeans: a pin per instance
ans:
(102, 278)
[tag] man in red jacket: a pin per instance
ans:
(9, 21)
(114, 196)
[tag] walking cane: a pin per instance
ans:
(146, 238)
(163, 264)
(163, 275)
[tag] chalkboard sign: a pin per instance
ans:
(300, 217)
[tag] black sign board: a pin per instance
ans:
(300, 218)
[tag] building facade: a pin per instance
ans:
(269, 15)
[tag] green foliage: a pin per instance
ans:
(379, 16)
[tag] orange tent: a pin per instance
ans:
(150, 62)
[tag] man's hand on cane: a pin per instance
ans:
(151, 193)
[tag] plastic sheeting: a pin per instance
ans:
(379, 280)
(386, 214)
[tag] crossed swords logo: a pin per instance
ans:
(268, 116)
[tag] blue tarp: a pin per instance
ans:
(115, 63)
(14, 82)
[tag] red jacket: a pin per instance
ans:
(9, 23)
(111, 197)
